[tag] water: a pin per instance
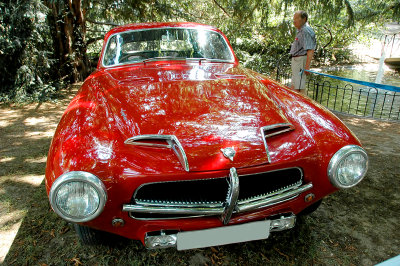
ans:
(364, 72)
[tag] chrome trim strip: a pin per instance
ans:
(173, 143)
(206, 210)
(178, 205)
(265, 144)
(173, 210)
(233, 194)
(261, 197)
(243, 207)
(183, 216)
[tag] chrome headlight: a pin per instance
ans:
(78, 196)
(348, 166)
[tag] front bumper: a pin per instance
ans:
(173, 217)
(220, 235)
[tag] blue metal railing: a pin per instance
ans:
(344, 97)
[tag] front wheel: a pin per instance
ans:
(310, 209)
(90, 236)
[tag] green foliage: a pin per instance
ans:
(25, 54)
(36, 56)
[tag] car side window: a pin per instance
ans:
(214, 47)
(111, 51)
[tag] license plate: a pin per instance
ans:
(223, 235)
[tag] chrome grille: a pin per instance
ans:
(265, 184)
(210, 194)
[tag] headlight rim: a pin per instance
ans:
(78, 176)
(337, 158)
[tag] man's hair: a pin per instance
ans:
(303, 14)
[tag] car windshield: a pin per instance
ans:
(166, 43)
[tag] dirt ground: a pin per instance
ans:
(359, 226)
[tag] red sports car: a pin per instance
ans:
(171, 142)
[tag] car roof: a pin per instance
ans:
(149, 25)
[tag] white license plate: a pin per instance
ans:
(223, 235)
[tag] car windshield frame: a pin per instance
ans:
(201, 58)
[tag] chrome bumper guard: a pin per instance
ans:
(215, 209)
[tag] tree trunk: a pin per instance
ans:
(68, 23)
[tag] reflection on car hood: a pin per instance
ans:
(207, 107)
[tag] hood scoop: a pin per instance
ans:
(274, 130)
(277, 129)
(161, 141)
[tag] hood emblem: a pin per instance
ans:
(229, 153)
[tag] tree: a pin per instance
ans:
(25, 54)
(67, 19)
(44, 42)
(70, 19)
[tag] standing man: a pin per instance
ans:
(302, 51)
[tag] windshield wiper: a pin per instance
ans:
(200, 59)
(162, 58)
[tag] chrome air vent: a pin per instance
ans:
(161, 141)
(273, 130)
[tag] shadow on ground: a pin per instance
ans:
(25, 136)
(356, 226)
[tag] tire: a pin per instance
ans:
(310, 209)
(89, 236)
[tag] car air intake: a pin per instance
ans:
(212, 193)
(274, 130)
(184, 192)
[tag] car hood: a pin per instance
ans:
(206, 107)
